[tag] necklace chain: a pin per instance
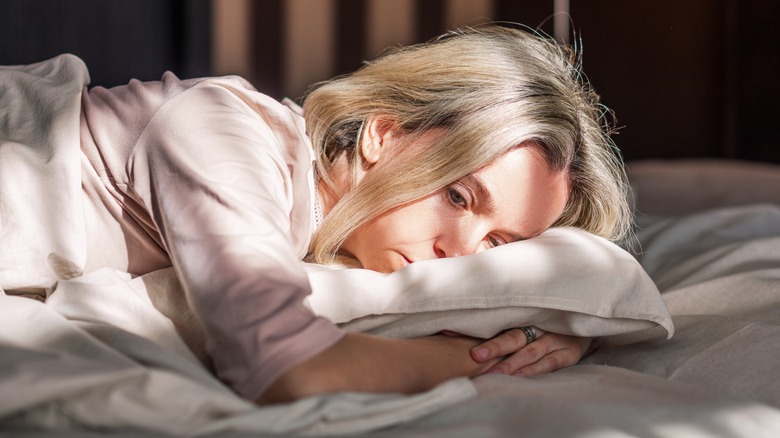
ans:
(318, 215)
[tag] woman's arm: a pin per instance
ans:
(222, 172)
(360, 362)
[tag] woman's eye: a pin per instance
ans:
(456, 197)
(494, 242)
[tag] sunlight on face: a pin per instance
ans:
(514, 198)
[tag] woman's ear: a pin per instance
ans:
(378, 135)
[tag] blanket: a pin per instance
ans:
(98, 355)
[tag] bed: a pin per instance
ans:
(102, 355)
(686, 320)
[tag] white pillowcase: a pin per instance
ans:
(564, 281)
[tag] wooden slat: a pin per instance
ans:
(267, 46)
(430, 16)
(532, 13)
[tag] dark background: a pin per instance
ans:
(686, 78)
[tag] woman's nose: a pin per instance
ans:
(456, 244)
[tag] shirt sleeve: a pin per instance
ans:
(210, 168)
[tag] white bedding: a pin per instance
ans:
(137, 349)
(115, 364)
(104, 355)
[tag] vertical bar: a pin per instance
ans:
(430, 15)
(462, 13)
(730, 134)
(561, 21)
(267, 46)
(230, 47)
(351, 17)
(532, 13)
(197, 35)
(308, 44)
(390, 23)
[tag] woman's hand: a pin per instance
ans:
(549, 352)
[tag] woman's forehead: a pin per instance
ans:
(526, 196)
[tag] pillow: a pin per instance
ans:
(564, 281)
(665, 188)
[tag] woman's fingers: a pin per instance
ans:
(552, 362)
(505, 343)
(524, 357)
(547, 354)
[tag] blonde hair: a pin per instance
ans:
(492, 88)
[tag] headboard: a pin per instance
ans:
(685, 79)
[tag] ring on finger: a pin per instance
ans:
(529, 332)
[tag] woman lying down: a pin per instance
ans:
(479, 138)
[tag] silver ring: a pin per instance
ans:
(530, 333)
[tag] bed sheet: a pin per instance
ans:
(718, 375)
(117, 365)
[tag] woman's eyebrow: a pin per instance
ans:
(485, 198)
(486, 201)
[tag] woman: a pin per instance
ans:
(477, 139)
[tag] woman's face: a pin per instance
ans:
(514, 198)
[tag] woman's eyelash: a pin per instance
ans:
(497, 241)
(456, 197)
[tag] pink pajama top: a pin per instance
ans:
(206, 175)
